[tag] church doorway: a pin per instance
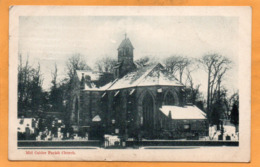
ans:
(148, 113)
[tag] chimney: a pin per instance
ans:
(82, 82)
(88, 80)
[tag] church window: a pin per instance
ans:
(148, 112)
(130, 107)
(169, 99)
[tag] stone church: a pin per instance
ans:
(146, 101)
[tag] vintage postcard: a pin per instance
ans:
(130, 83)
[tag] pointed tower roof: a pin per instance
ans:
(126, 43)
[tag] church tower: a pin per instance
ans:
(125, 58)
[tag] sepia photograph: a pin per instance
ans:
(130, 83)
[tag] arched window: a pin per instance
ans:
(169, 99)
(148, 112)
(116, 113)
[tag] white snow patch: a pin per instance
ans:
(186, 112)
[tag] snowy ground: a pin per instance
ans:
(229, 130)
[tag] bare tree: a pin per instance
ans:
(145, 61)
(182, 65)
(171, 64)
(23, 83)
(234, 98)
(58, 92)
(216, 66)
(105, 64)
(177, 65)
(30, 93)
(234, 107)
(194, 92)
(54, 76)
(76, 62)
(36, 88)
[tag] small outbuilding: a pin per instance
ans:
(183, 121)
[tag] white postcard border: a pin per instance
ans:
(203, 154)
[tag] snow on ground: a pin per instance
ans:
(24, 123)
(229, 130)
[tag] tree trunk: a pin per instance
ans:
(208, 114)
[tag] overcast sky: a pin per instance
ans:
(54, 39)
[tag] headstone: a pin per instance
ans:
(220, 137)
(86, 135)
(228, 137)
(27, 133)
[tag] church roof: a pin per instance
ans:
(185, 112)
(153, 75)
(147, 76)
(126, 43)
